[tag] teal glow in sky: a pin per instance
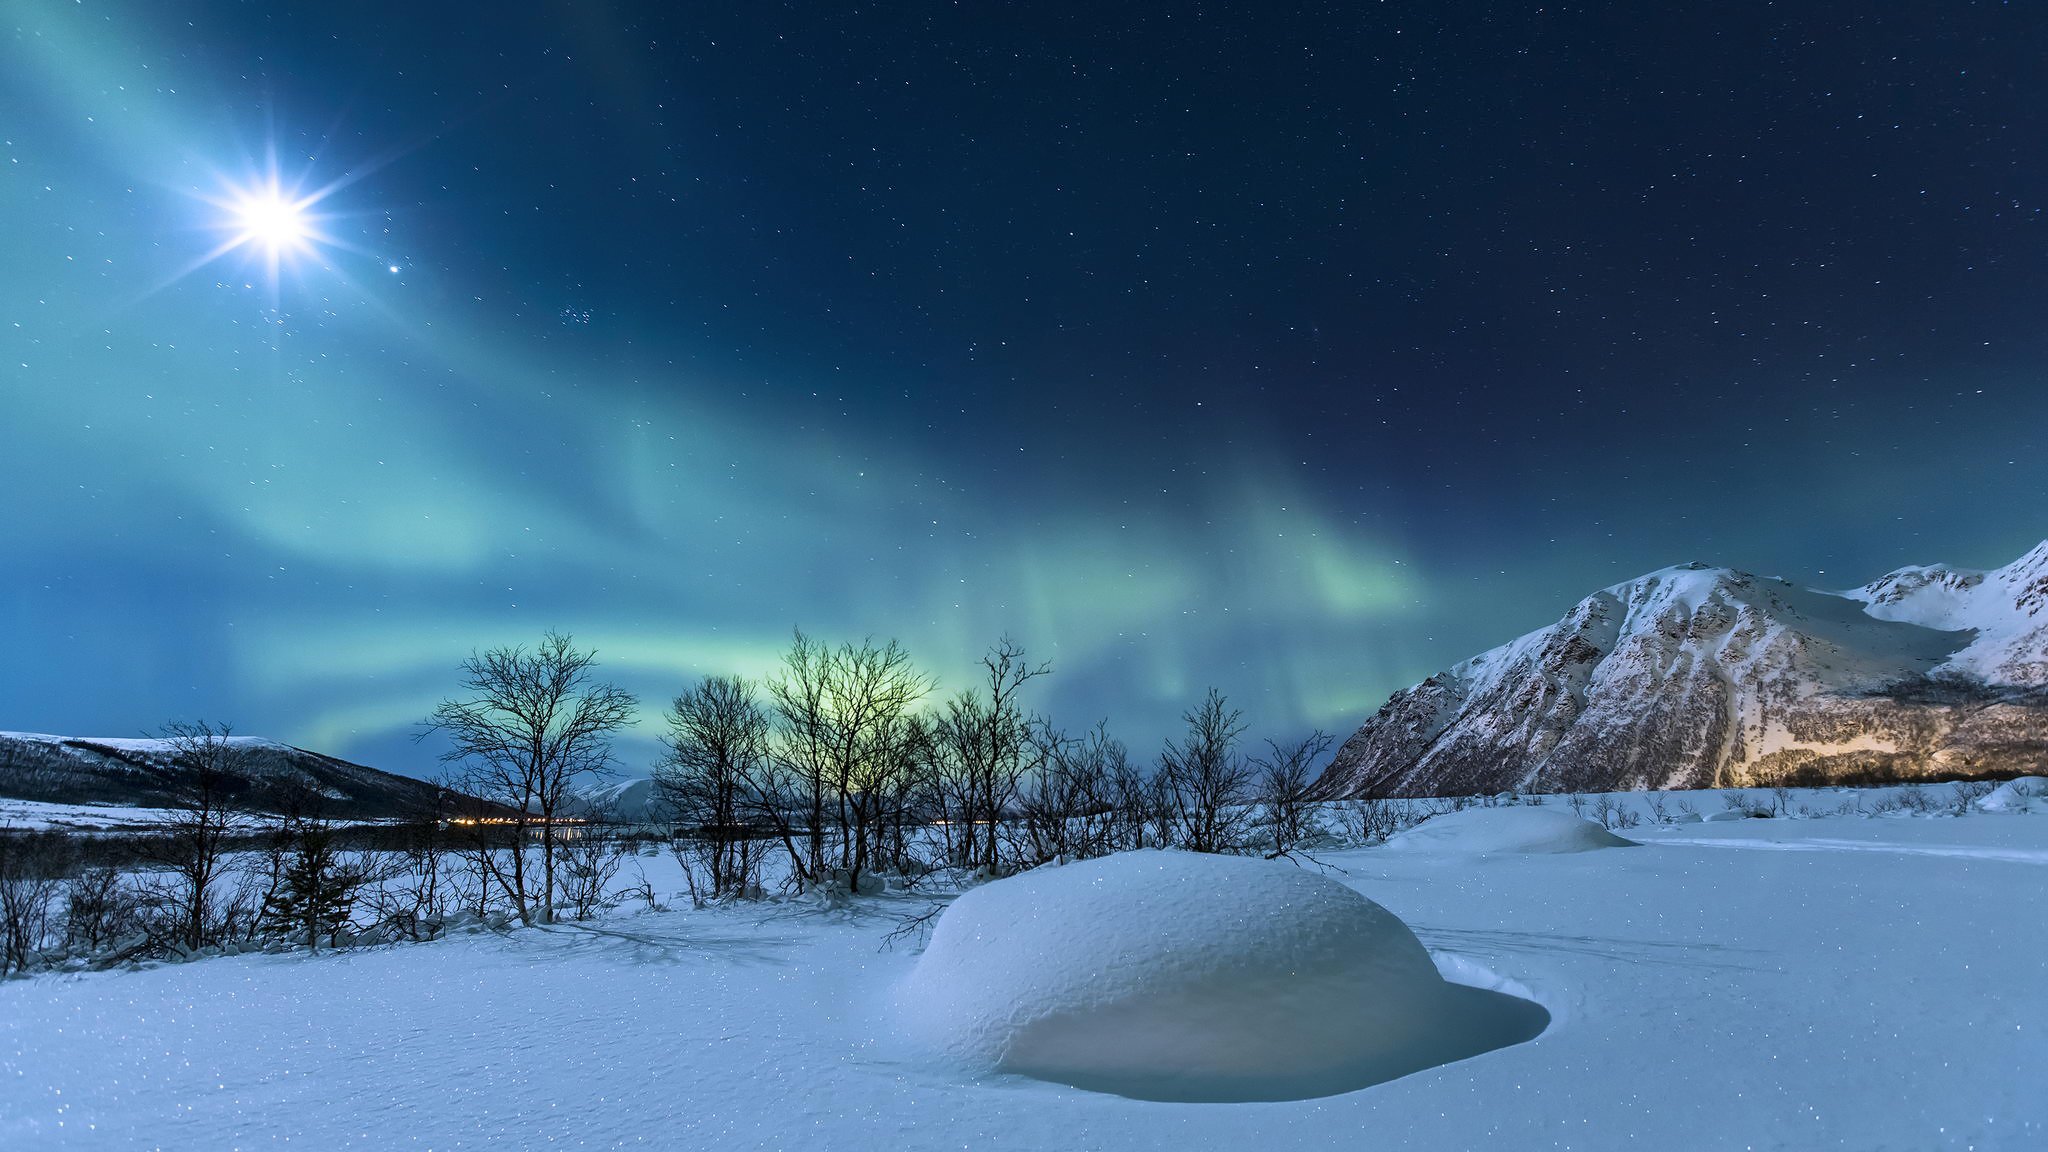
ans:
(1300, 354)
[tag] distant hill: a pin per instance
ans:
(74, 770)
(1700, 677)
(628, 800)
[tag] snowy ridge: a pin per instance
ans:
(2007, 608)
(1696, 677)
(70, 770)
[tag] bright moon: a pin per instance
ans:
(276, 222)
(269, 219)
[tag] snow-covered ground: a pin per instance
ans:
(1833, 982)
(37, 814)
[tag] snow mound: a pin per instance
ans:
(2016, 795)
(1482, 831)
(1180, 976)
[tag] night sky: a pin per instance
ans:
(1300, 352)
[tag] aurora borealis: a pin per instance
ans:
(1302, 352)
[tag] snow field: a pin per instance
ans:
(1862, 984)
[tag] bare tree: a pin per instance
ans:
(32, 869)
(907, 805)
(485, 840)
(1067, 807)
(1133, 805)
(205, 815)
(710, 782)
(1204, 782)
(535, 724)
(984, 749)
(1283, 789)
(844, 737)
(800, 796)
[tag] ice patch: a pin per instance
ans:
(1484, 831)
(1187, 977)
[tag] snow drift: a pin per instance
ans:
(2017, 795)
(1179, 976)
(1483, 831)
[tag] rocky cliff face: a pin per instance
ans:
(1696, 677)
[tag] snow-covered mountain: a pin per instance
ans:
(629, 800)
(1696, 677)
(2007, 609)
(72, 770)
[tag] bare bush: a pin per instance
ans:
(1915, 799)
(414, 896)
(589, 860)
(1204, 782)
(32, 870)
(1967, 792)
(1281, 788)
(1371, 821)
(1752, 807)
(102, 909)
(1613, 814)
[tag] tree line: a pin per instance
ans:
(843, 770)
(845, 763)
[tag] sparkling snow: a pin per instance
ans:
(1834, 982)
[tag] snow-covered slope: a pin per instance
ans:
(73, 770)
(1695, 677)
(2006, 608)
(630, 801)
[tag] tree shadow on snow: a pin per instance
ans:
(1679, 953)
(658, 947)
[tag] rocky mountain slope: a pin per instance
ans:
(71, 770)
(1698, 677)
